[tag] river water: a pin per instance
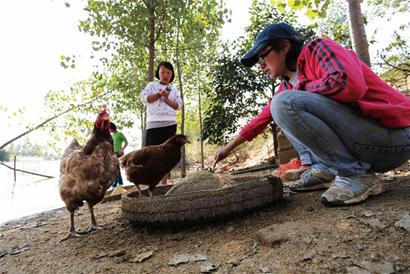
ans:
(30, 194)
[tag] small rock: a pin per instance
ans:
(279, 233)
(309, 254)
(234, 261)
(367, 213)
(198, 257)
(184, 258)
(3, 252)
(340, 255)
(117, 253)
(309, 209)
(404, 223)
(196, 245)
(389, 178)
(120, 259)
(360, 247)
(177, 237)
(230, 229)
(100, 256)
(142, 256)
(374, 223)
(156, 264)
(382, 267)
(356, 270)
(208, 267)
(264, 269)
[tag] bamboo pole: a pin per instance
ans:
(25, 171)
(15, 176)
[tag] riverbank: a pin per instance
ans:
(303, 237)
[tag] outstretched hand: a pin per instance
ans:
(220, 154)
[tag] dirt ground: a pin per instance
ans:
(301, 236)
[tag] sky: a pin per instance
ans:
(35, 34)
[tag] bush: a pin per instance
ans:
(4, 156)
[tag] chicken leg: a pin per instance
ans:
(93, 223)
(72, 233)
(139, 190)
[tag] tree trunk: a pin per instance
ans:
(200, 127)
(358, 32)
(151, 42)
(143, 127)
(151, 57)
(183, 166)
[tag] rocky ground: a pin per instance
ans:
(296, 235)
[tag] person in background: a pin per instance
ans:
(162, 101)
(120, 143)
(343, 120)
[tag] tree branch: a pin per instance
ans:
(50, 119)
(394, 66)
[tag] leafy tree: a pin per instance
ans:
(312, 8)
(396, 58)
(389, 7)
(234, 97)
(135, 34)
(335, 24)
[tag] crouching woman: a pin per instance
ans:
(344, 121)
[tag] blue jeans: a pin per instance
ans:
(118, 180)
(336, 136)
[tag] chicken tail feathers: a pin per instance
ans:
(74, 145)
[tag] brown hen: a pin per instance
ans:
(87, 172)
(147, 166)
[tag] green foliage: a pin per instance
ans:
(335, 25)
(67, 61)
(396, 59)
(27, 148)
(121, 32)
(4, 156)
(237, 91)
(313, 8)
(79, 122)
(383, 7)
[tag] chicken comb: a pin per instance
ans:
(102, 116)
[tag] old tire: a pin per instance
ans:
(200, 206)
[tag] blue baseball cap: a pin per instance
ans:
(269, 33)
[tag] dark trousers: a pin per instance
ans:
(118, 179)
(157, 136)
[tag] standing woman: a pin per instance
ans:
(162, 101)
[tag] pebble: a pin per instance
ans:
(208, 267)
(120, 259)
(234, 261)
(404, 223)
(309, 254)
(264, 269)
